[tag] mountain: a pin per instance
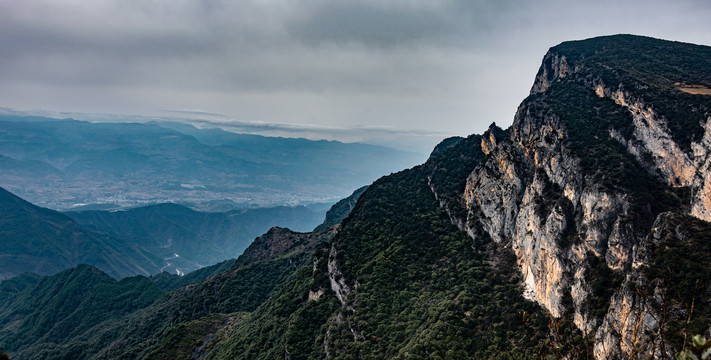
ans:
(187, 239)
(82, 313)
(138, 241)
(579, 232)
(63, 163)
(44, 241)
(609, 145)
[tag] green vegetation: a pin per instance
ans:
(451, 163)
(425, 290)
(263, 334)
(341, 209)
(681, 267)
(63, 307)
(241, 290)
(699, 350)
(44, 241)
(603, 283)
(186, 340)
(11, 287)
(83, 312)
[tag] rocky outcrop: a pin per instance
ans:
(651, 137)
(554, 66)
(279, 242)
(651, 142)
(531, 195)
(701, 187)
(633, 326)
(335, 276)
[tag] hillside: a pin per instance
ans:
(138, 241)
(44, 241)
(61, 307)
(82, 313)
(131, 164)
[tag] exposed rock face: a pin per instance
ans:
(554, 66)
(335, 276)
(632, 327)
(531, 195)
(701, 187)
(679, 169)
(510, 189)
(315, 295)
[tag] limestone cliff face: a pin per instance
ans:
(632, 318)
(651, 142)
(652, 136)
(335, 277)
(531, 195)
(555, 66)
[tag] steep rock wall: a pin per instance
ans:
(531, 196)
(651, 137)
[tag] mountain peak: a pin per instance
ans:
(279, 242)
(627, 59)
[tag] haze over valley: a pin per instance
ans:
(67, 164)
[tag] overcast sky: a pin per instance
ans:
(407, 73)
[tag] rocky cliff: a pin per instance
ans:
(592, 205)
(606, 147)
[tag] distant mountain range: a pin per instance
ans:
(140, 241)
(186, 239)
(64, 163)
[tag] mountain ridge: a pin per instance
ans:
(594, 157)
(45, 242)
(139, 241)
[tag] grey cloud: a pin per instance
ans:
(392, 24)
(381, 24)
(438, 66)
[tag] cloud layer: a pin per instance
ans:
(437, 67)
